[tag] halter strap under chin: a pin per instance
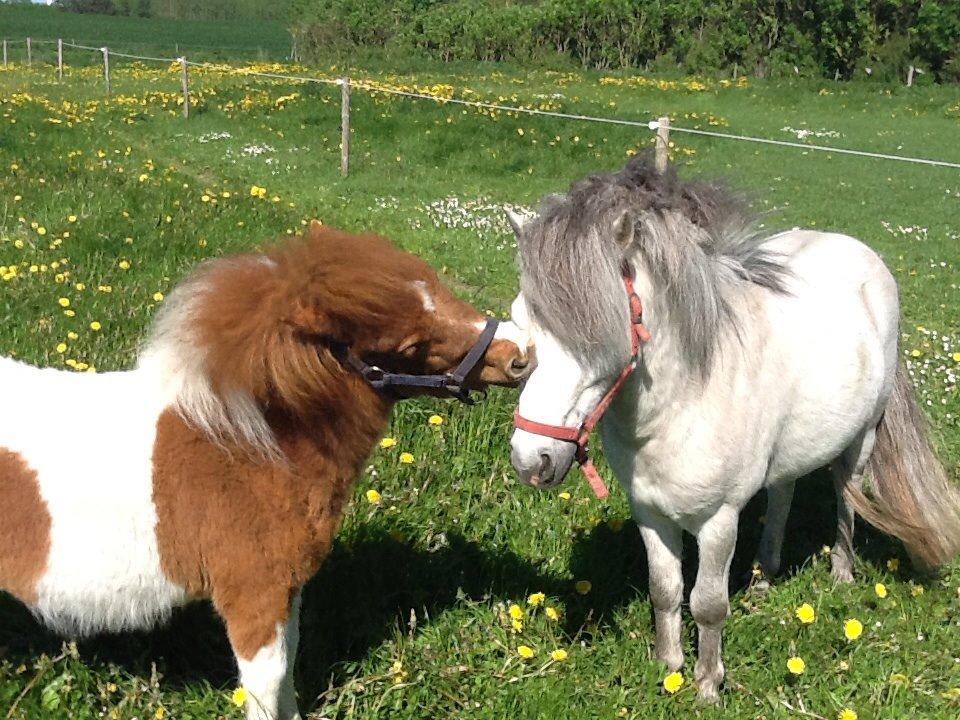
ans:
(580, 435)
(451, 382)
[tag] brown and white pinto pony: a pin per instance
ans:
(220, 467)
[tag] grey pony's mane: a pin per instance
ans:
(697, 241)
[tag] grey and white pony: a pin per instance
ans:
(770, 357)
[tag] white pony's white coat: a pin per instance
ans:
(801, 381)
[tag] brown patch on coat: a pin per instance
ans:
(24, 528)
(248, 535)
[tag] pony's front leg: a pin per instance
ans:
(265, 633)
(710, 599)
(664, 543)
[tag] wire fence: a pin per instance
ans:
(662, 126)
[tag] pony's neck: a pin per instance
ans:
(343, 438)
(663, 377)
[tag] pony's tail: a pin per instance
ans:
(911, 496)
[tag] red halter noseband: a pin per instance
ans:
(580, 435)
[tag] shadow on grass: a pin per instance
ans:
(361, 597)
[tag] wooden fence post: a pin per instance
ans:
(344, 125)
(185, 82)
(59, 59)
(106, 68)
(29, 53)
(663, 143)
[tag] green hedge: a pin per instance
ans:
(832, 38)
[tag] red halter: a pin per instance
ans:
(580, 435)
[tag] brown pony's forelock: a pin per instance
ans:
(243, 339)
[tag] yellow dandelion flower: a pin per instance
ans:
(583, 586)
(95, 326)
(916, 353)
(158, 297)
(160, 714)
(536, 599)
(124, 264)
(847, 714)
(916, 590)
(71, 218)
(852, 629)
(435, 420)
(64, 302)
(552, 613)
(406, 458)
(373, 497)
(881, 590)
(239, 697)
(69, 313)
(526, 652)
(796, 665)
(893, 564)
(41, 230)
(558, 655)
(517, 625)
(72, 335)
(806, 614)
(388, 442)
(673, 682)
(61, 348)
(516, 612)
(564, 496)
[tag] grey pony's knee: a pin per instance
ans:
(709, 606)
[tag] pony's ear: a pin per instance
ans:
(623, 230)
(516, 221)
(311, 320)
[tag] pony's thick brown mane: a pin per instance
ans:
(243, 336)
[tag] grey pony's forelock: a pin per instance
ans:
(697, 240)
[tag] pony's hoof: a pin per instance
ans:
(708, 693)
(673, 661)
(841, 573)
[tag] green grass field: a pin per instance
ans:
(107, 204)
(198, 39)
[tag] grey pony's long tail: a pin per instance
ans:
(911, 497)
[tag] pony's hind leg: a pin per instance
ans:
(664, 544)
(710, 599)
(779, 498)
(847, 469)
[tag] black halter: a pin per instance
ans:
(451, 382)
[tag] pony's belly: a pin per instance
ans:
(103, 570)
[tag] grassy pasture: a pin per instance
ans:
(199, 39)
(108, 204)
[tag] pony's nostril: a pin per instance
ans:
(518, 367)
(546, 468)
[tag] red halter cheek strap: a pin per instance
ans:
(580, 435)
